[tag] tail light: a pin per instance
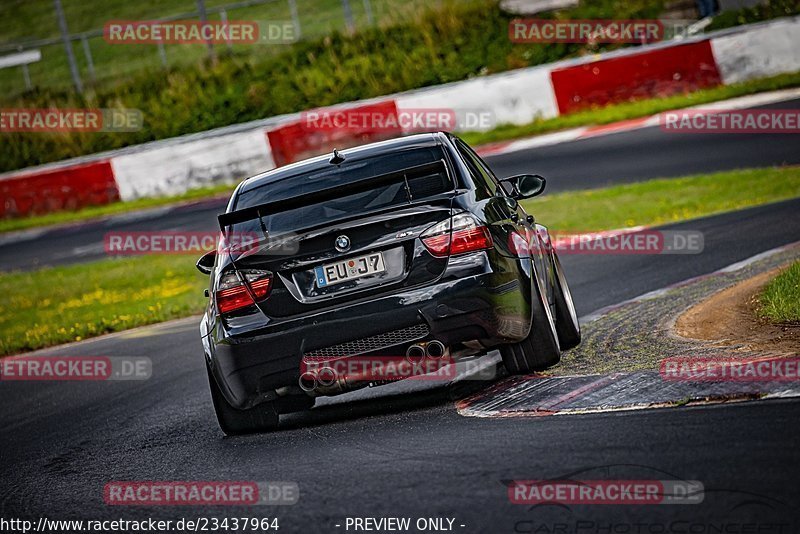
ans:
(462, 234)
(233, 295)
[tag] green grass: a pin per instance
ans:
(95, 212)
(632, 110)
(58, 305)
(62, 304)
(657, 202)
(780, 300)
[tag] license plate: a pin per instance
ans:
(350, 269)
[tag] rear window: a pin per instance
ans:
(335, 206)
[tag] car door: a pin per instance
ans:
(535, 235)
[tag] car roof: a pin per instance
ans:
(351, 154)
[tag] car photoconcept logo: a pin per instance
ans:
(342, 243)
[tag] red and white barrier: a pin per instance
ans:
(516, 97)
(57, 188)
(174, 168)
(306, 136)
(764, 50)
(176, 165)
(659, 72)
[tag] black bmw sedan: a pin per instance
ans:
(409, 249)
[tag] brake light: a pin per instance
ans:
(232, 294)
(462, 235)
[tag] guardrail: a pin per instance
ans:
(22, 59)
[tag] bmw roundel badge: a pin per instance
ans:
(342, 243)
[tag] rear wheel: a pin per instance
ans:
(233, 421)
(540, 349)
(567, 326)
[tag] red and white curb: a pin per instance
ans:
(541, 395)
(588, 132)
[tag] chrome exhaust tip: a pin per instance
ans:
(435, 349)
(308, 381)
(415, 354)
(326, 377)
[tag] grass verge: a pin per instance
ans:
(62, 304)
(598, 116)
(633, 110)
(663, 201)
(780, 300)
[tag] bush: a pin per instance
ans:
(748, 15)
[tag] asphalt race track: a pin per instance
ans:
(595, 162)
(406, 452)
(409, 454)
(649, 153)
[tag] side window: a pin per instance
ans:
(482, 176)
(482, 164)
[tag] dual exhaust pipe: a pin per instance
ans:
(326, 377)
(419, 351)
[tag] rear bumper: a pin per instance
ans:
(471, 301)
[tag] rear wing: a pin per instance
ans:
(258, 211)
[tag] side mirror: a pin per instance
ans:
(206, 262)
(526, 185)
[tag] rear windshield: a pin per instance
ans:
(335, 206)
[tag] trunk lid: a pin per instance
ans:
(354, 235)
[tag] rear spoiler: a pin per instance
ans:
(277, 206)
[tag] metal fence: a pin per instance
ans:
(85, 57)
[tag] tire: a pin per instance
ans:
(567, 326)
(233, 421)
(540, 349)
